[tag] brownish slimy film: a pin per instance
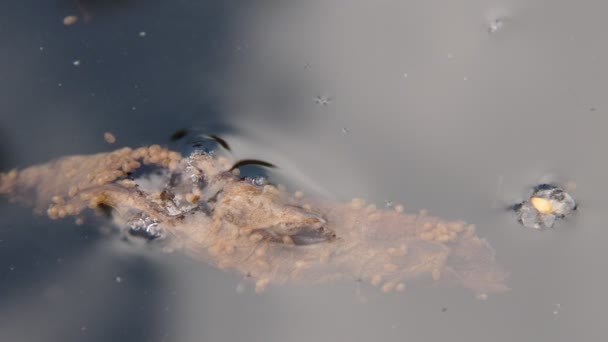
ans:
(197, 205)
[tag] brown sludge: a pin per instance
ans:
(261, 232)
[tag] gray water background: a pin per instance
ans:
(454, 107)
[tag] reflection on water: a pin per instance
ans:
(431, 105)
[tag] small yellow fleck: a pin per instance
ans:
(427, 236)
(256, 237)
(441, 228)
(357, 203)
(398, 252)
(246, 231)
(374, 217)
(69, 209)
(52, 213)
(399, 208)
(261, 285)
(298, 194)
(542, 205)
(270, 189)
(260, 252)
(443, 238)
(390, 268)
(12, 175)
(456, 227)
(470, 231)
(57, 200)
(376, 280)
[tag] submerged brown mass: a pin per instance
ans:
(199, 206)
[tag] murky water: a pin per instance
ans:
(457, 108)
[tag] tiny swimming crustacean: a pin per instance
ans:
(198, 205)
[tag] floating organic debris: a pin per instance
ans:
(109, 138)
(70, 20)
(546, 205)
(197, 205)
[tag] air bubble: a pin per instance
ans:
(145, 227)
(257, 181)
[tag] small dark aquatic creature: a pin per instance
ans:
(546, 205)
(198, 205)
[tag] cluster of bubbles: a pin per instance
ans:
(145, 227)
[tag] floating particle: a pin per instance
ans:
(388, 203)
(323, 100)
(345, 130)
(109, 137)
(118, 279)
(546, 205)
(70, 20)
(245, 229)
(496, 25)
(556, 309)
(405, 75)
(142, 33)
(76, 63)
